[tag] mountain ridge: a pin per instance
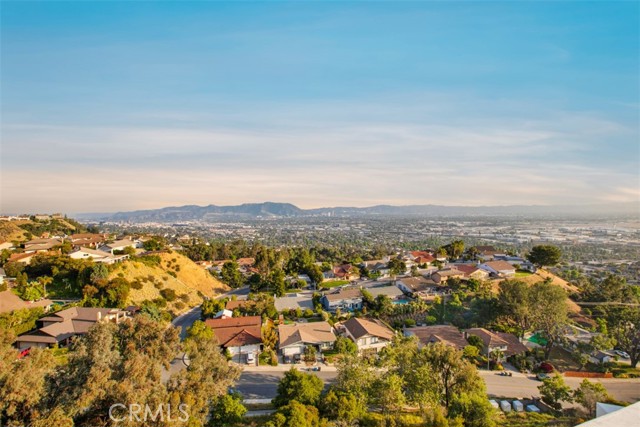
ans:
(284, 210)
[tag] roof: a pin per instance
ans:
(467, 269)
(417, 254)
(293, 301)
(20, 257)
(233, 304)
(417, 284)
(499, 339)
(424, 259)
(344, 294)
(94, 253)
(448, 272)
(360, 327)
(237, 331)
(305, 333)
(445, 334)
(121, 243)
(67, 323)
(10, 302)
(622, 417)
(390, 291)
(499, 265)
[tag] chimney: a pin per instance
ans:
(99, 316)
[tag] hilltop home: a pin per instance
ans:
(10, 302)
(293, 339)
(370, 335)
(415, 285)
(446, 334)
(345, 300)
(119, 245)
(241, 336)
(97, 256)
(393, 292)
(445, 274)
(471, 271)
(499, 268)
(62, 327)
(507, 343)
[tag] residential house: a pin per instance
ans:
(393, 292)
(344, 272)
(119, 245)
(293, 339)
(3, 275)
(294, 301)
(472, 271)
(88, 240)
(504, 342)
(62, 327)
(6, 245)
(486, 253)
(10, 302)
(516, 261)
(97, 256)
(369, 335)
(441, 276)
(23, 258)
(240, 336)
(345, 300)
(41, 245)
(415, 286)
(499, 268)
(446, 334)
(377, 267)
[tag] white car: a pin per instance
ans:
(251, 359)
(622, 354)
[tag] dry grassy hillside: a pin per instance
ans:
(541, 275)
(190, 283)
(9, 231)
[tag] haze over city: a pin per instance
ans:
(134, 105)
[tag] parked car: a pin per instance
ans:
(24, 353)
(542, 376)
(622, 354)
(251, 359)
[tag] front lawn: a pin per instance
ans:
(523, 273)
(334, 283)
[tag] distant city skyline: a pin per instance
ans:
(119, 106)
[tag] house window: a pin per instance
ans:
(374, 340)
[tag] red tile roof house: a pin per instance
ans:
(370, 335)
(241, 336)
(343, 272)
(62, 327)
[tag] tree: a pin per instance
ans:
(276, 283)
(344, 345)
(389, 395)
(554, 390)
(474, 409)
(549, 313)
(588, 394)
(295, 414)
(231, 275)
(310, 354)
(513, 300)
(295, 385)
(341, 407)
(355, 377)
(624, 326)
(228, 410)
(542, 255)
(397, 266)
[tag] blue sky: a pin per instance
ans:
(126, 105)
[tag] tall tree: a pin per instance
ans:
(542, 255)
(554, 390)
(295, 385)
(588, 394)
(549, 312)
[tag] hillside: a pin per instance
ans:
(541, 275)
(10, 231)
(190, 283)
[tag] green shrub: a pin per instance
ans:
(168, 294)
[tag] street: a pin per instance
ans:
(262, 382)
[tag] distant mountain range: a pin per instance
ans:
(284, 210)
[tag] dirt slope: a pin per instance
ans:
(190, 283)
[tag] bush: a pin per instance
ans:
(179, 305)
(168, 294)
(409, 323)
(157, 285)
(173, 274)
(136, 284)
(184, 297)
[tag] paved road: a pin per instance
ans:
(185, 320)
(262, 384)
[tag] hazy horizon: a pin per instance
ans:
(120, 106)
